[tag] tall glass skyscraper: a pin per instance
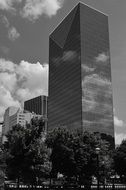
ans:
(80, 88)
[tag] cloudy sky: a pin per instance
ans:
(25, 27)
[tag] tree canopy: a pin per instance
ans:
(30, 156)
(120, 159)
(26, 151)
(74, 153)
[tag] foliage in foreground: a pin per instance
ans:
(74, 154)
(27, 155)
(120, 159)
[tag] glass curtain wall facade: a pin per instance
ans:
(64, 106)
(80, 89)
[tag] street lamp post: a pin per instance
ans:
(97, 153)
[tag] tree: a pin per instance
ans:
(62, 156)
(74, 153)
(85, 156)
(120, 159)
(2, 167)
(26, 151)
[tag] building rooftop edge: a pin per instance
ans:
(36, 97)
(80, 2)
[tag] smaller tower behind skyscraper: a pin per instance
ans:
(38, 105)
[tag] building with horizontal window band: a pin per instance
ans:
(38, 105)
(80, 87)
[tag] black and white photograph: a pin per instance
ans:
(62, 94)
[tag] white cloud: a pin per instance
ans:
(120, 130)
(8, 81)
(13, 34)
(102, 57)
(25, 93)
(118, 122)
(119, 138)
(7, 66)
(8, 4)
(6, 100)
(69, 56)
(33, 9)
(100, 83)
(21, 82)
(87, 69)
(6, 97)
(33, 79)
